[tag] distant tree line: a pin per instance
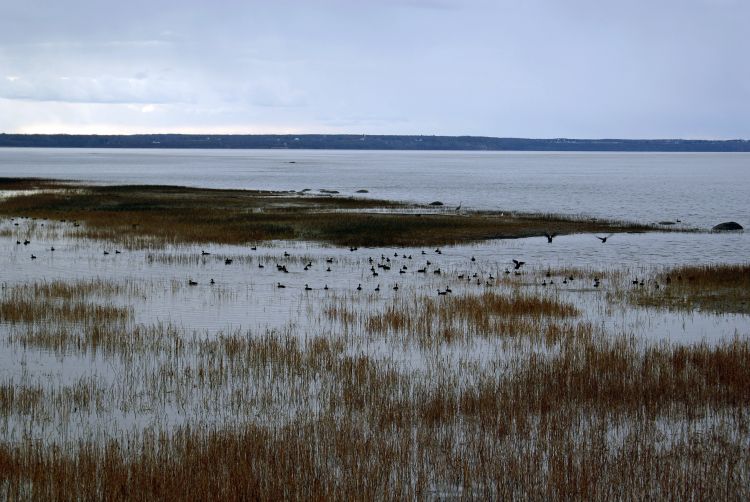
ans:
(367, 142)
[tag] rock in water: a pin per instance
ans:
(436, 203)
(728, 225)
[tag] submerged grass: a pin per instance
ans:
(166, 214)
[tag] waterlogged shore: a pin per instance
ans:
(134, 365)
(128, 214)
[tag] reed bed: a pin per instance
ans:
(458, 318)
(712, 288)
(58, 302)
(164, 215)
(585, 422)
(507, 391)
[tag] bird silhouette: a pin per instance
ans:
(518, 264)
(192, 282)
(603, 239)
(458, 208)
(549, 237)
(204, 253)
(279, 285)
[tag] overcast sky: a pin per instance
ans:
(522, 68)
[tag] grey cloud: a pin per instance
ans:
(533, 68)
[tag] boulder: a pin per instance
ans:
(363, 191)
(728, 225)
(436, 203)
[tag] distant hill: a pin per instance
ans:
(368, 142)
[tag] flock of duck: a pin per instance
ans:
(386, 263)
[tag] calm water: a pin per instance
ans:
(700, 189)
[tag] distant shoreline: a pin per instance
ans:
(367, 142)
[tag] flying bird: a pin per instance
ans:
(518, 264)
(549, 237)
(604, 239)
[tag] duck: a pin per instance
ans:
(192, 282)
(279, 285)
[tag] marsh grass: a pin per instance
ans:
(59, 302)
(712, 288)
(132, 215)
(508, 392)
(538, 426)
(459, 318)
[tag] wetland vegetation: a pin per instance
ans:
(130, 214)
(416, 373)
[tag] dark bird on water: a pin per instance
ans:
(33, 257)
(518, 264)
(192, 282)
(359, 287)
(204, 253)
(279, 285)
(307, 288)
(228, 261)
(603, 239)
(549, 237)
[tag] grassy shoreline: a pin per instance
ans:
(173, 214)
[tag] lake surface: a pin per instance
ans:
(700, 189)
